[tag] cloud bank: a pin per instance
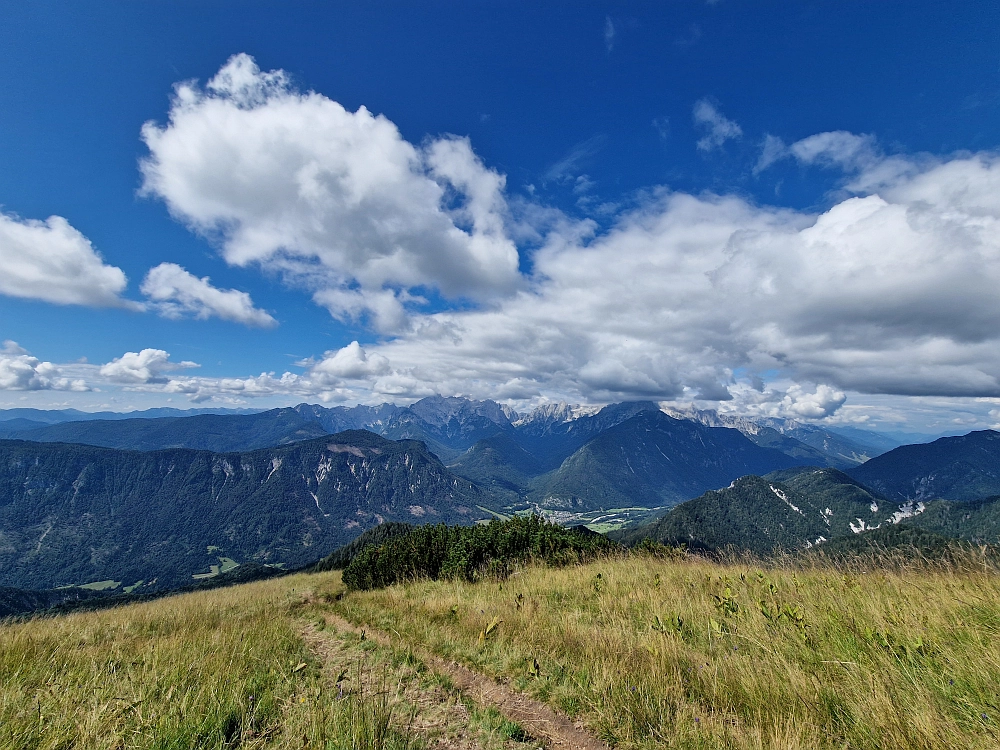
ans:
(19, 371)
(888, 293)
(889, 290)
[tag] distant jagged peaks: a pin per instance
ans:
(449, 426)
(556, 413)
(440, 410)
(712, 418)
(828, 445)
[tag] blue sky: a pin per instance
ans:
(768, 208)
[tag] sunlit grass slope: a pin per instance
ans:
(685, 653)
(218, 669)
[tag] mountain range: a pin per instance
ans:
(449, 426)
(156, 499)
(76, 514)
(947, 488)
(557, 458)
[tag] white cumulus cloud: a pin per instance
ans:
(688, 296)
(817, 404)
(52, 261)
(176, 292)
(147, 366)
(352, 362)
(19, 371)
(335, 200)
(888, 291)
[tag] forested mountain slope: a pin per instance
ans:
(653, 460)
(214, 432)
(73, 514)
(953, 468)
(786, 510)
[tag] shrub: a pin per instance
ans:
(470, 552)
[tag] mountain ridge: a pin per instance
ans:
(73, 514)
(673, 461)
(966, 467)
(786, 510)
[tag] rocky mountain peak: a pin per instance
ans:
(440, 410)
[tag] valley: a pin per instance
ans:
(602, 520)
(148, 503)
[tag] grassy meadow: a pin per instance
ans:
(674, 652)
(686, 653)
(241, 667)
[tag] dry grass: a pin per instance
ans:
(693, 654)
(649, 653)
(219, 669)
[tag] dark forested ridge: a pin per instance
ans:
(73, 514)
(785, 510)
(72, 598)
(903, 541)
(17, 601)
(953, 468)
(212, 432)
(652, 460)
(799, 508)
(976, 521)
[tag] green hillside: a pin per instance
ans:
(752, 514)
(786, 510)
(903, 542)
(976, 521)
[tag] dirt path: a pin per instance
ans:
(438, 716)
(538, 719)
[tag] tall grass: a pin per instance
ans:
(218, 669)
(693, 654)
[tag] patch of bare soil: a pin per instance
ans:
(538, 719)
(429, 711)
